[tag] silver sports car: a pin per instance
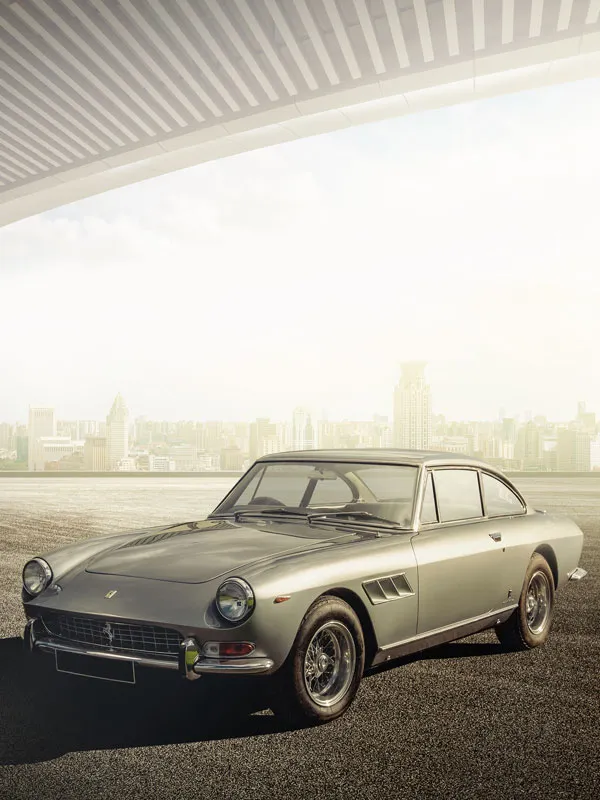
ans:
(315, 566)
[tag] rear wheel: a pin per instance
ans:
(321, 676)
(529, 625)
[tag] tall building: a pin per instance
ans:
(509, 430)
(232, 459)
(595, 453)
(573, 451)
(117, 433)
(304, 436)
(586, 419)
(550, 453)
(528, 448)
(42, 423)
(7, 436)
(263, 438)
(94, 454)
(22, 446)
(412, 408)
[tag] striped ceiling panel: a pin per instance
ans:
(88, 85)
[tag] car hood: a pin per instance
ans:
(202, 551)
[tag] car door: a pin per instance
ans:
(508, 512)
(458, 553)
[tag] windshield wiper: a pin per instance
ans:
(285, 512)
(359, 516)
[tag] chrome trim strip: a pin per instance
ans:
(51, 645)
(434, 632)
(577, 574)
(254, 666)
(442, 635)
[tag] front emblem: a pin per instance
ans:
(108, 632)
(110, 594)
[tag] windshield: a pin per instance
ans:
(360, 493)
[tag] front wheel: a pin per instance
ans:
(530, 623)
(321, 675)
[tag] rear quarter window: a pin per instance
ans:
(500, 500)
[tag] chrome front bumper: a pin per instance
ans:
(188, 664)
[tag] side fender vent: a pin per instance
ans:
(390, 587)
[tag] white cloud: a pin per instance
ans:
(305, 273)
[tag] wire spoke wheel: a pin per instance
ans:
(329, 664)
(538, 602)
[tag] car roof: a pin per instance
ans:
(381, 455)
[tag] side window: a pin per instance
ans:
(457, 493)
(331, 492)
(500, 501)
(428, 510)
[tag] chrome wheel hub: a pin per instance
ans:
(329, 664)
(322, 663)
(537, 602)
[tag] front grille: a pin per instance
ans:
(111, 635)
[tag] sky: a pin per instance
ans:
(304, 274)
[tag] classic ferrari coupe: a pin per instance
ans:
(316, 566)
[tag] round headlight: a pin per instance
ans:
(37, 575)
(235, 600)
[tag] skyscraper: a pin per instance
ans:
(303, 430)
(117, 433)
(412, 408)
(94, 454)
(586, 419)
(574, 451)
(41, 423)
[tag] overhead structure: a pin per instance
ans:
(96, 94)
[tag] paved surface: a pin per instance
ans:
(462, 721)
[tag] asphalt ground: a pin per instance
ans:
(464, 720)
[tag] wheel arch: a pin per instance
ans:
(548, 553)
(360, 609)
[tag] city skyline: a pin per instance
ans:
(322, 414)
(319, 415)
(124, 443)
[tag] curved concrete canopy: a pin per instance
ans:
(96, 94)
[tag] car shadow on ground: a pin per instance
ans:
(44, 715)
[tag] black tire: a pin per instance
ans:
(530, 623)
(331, 631)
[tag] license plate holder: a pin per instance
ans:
(116, 670)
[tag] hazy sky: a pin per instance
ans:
(305, 273)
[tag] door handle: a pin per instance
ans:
(496, 536)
